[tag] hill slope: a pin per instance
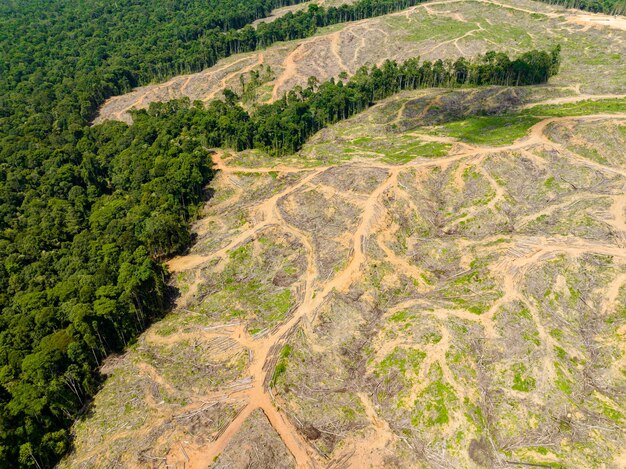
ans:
(442, 29)
(439, 281)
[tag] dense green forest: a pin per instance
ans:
(87, 214)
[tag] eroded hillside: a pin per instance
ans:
(439, 281)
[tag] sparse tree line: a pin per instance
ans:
(88, 213)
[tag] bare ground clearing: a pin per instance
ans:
(394, 295)
(392, 314)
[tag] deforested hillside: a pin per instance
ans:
(434, 30)
(436, 281)
(335, 233)
(417, 288)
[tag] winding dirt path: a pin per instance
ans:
(574, 99)
(290, 70)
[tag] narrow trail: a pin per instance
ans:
(291, 61)
(185, 84)
(369, 452)
(455, 40)
(224, 82)
(336, 51)
(574, 99)
(500, 193)
(290, 70)
(357, 51)
(400, 264)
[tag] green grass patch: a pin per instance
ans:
(432, 337)
(561, 382)
(409, 152)
(430, 28)
(401, 316)
(612, 413)
(281, 365)
(401, 359)
(506, 33)
(397, 150)
(432, 404)
(241, 254)
(477, 309)
(279, 305)
(580, 108)
(489, 130)
(521, 381)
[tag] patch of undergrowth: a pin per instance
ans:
(402, 359)
(505, 129)
(474, 290)
(255, 285)
(394, 149)
(433, 404)
(409, 152)
(432, 27)
(521, 380)
(580, 108)
(489, 130)
(281, 364)
(197, 365)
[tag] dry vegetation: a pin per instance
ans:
(437, 282)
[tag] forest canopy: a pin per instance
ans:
(87, 214)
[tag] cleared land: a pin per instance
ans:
(417, 299)
(446, 29)
(301, 6)
(437, 282)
